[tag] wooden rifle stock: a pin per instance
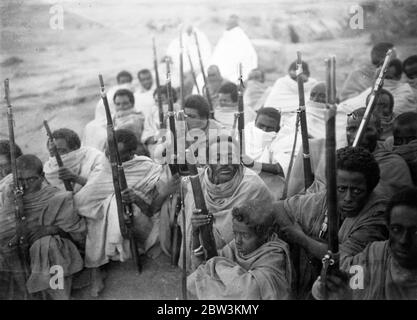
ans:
(124, 211)
(67, 183)
(21, 226)
(203, 73)
(308, 174)
(379, 82)
(158, 85)
(206, 232)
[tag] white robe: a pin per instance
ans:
(190, 46)
(404, 98)
(234, 47)
(144, 100)
(82, 162)
(226, 116)
(278, 150)
(284, 94)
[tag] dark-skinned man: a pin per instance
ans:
(226, 183)
(385, 270)
(410, 71)
(149, 184)
(79, 162)
(5, 166)
(302, 219)
(363, 77)
(395, 173)
(404, 140)
(52, 226)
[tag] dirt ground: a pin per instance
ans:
(53, 73)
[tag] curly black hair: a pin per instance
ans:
(358, 159)
(71, 138)
(257, 215)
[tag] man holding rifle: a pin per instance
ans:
(303, 222)
(386, 270)
(148, 187)
(52, 229)
(226, 183)
(393, 169)
(79, 162)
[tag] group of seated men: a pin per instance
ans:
(269, 246)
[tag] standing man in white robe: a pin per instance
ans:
(234, 47)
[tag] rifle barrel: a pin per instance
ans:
(21, 226)
(370, 105)
(203, 73)
(124, 211)
(332, 213)
(67, 183)
(158, 85)
(308, 174)
(241, 112)
(171, 117)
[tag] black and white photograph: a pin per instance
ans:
(208, 154)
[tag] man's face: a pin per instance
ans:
(30, 180)
(411, 71)
(122, 103)
(245, 238)
(221, 173)
(266, 123)
(146, 80)
(390, 74)
(125, 155)
(164, 99)
(5, 167)
(213, 74)
(194, 120)
(124, 79)
(382, 106)
(404, 134)
(403, 235)
(61, 146)
(318, 96)
(369, 138)
(225, 101)
(352, 192)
